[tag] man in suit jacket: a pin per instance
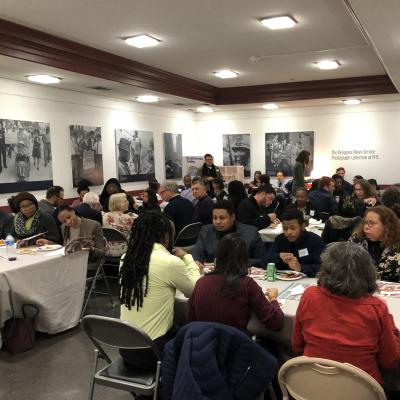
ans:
(224, 222)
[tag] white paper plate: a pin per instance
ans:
(295, 278)
(49, 247)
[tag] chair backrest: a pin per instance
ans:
(189, 233)
(308, 378)
(114, 332)
(113, 235)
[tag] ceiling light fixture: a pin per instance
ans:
(226, 74)
(204, 109)
(45, 79)
(283, 22)
(270, 106)
(147, 99)
(352, 102)
(141, 41)
(327, 64)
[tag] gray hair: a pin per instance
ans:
(91, 198)
(197, 179)
(347, 270)
(171, 186)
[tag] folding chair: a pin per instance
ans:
(91, 280)
(119, 334)
(112, 261)
(188, 235)
(317, 378)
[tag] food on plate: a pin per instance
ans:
(2, 242)
(27, 250)
(288, 275)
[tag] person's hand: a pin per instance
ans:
(136, 206)
(286, 257)
(210, 178)
(177, 251)
(370, 201)
(272, 294)
(294, 264)
(272, 217)
(43, 242)
(200, 265)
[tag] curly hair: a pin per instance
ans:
(391, 199)
(149, 228)
(391, 236)
(368, 189)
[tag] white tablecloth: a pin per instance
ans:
(269, 234)
(54, 283)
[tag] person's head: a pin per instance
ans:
(347, 270)
(301, 197)
(303, 157)
(198, 189)
(92, 199)
(112, 186)
(231, 261)
(124, 148)
(338, 179)
(82, 191)
(293, 224)
(341, 172)
(55, 196)
(187, 181)
(264, 180)
(26, 203)
(280, 176)
(223, 215)
(237, 190)
(363, 189)
(11, 203)
(154, 185)
(150, 198)
(149, 228)
(208, 159)
(374, 183)
(357, 178)
(391, 199)
(118, 202)
(264, 196)
(256, 177)
(218, 185)
(327, 184)
(66, 215)
(168, 190)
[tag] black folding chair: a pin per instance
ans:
(188, 235)
(112, 261)
(120, 334)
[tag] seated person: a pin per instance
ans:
(74, 227)
(30, 221)
(296, 248)
(228, 296)
(347, 186)
(113, 186)
(251, 211)
(54, 198)
(218, 188)
(339, 190)
(187, 193)
(280, 185)
(255, 183)
(379, 234)
(149, 279)
(6, 224)
(322, 198)
(90, 207)
(341, 319)
(236, 193)
(302, 203)
(82, 190)
(150, 201)
(204, 204)
(224, 222)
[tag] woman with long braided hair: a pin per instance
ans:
(149, 277)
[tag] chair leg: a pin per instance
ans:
(90, 292)
(158, 372)
(107, 286)
(91, 389)
(271, 392)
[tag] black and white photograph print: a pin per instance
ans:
(135, 155)
(25, 156)
(236, 150)
(282, 148)
(86, 154)
(173, 155)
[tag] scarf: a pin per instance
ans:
(209, 171)
(19, 224)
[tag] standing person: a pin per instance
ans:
(150, 276)
(136, 148)
(347, 186)
(46, 146)
(208, 172)
(302, 162)
(3, 163)
(123, 157)
(204, 205)
(341, 319)
(36, 152)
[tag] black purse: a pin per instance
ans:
(18, 334)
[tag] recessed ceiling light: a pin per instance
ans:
(147, 99)
(327, 64)
(204, 109)
(352, 102)
(283, 22)
(141, 41)
(270, 106)
(45, 79)
(226, 74)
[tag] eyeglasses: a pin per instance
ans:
(25, 206)
(370, 223)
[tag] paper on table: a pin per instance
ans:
(59, 252)
(299, 289)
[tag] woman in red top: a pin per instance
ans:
(341, 320)
(228, 296)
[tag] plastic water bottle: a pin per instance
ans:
(10, 245)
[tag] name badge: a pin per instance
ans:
(312, 213)
(303, 253)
